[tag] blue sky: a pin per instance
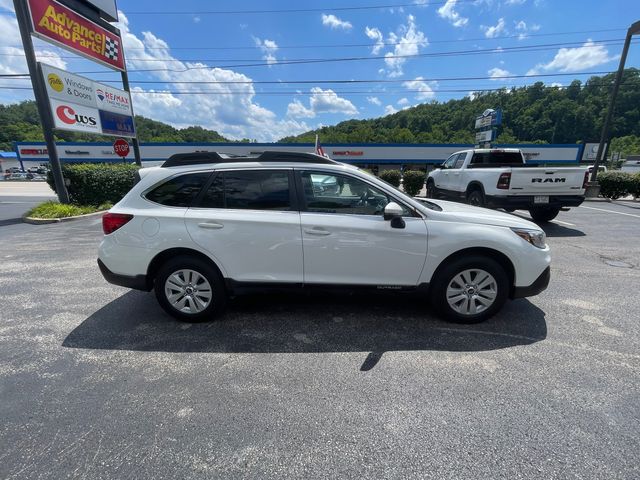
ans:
(200, 42)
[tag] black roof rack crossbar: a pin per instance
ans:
(202, 158)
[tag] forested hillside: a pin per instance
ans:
(538, 113)
(20, 122)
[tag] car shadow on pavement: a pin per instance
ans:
(305, 324)
(556, 230)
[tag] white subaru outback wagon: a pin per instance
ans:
(204, 226)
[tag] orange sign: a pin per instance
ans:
(60, 25)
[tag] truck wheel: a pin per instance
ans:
(475, 198)
(431, 189)
(544, 214)
(190, 289)
(470, 290)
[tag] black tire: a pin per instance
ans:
(218, 294)
(446, 275)
(432, 191)
(543, 214)
(475, 198)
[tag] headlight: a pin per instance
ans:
(537, 238)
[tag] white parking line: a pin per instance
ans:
(611, 211)
(564, 223)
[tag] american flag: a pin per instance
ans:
(319, 149)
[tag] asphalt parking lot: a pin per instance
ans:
(97, 382)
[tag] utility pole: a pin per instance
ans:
(601, 155)
(42, 102)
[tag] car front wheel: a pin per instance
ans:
(190, 289)
(470, 290)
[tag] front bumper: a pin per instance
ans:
(525, 202)
(539, 285)
(137, 282)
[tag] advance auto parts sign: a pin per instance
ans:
(107, 108)
(60, 25)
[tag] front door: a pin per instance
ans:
(345, 238)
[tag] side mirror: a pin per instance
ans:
(391, 210)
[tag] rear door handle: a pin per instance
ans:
(211, 225)
(317, 231)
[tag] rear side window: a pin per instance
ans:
(249, 190)
(179, 191)
(496, 158)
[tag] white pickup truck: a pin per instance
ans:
(500, 178)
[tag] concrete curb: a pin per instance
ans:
(44, 221)
(608, 200)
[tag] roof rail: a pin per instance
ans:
(201, 158)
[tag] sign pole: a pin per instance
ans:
(24, 23)
(134, 140)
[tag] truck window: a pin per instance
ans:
(497, 158)
(460, 160)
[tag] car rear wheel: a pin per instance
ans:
(475, 198)
(543, 214)
(470, 290)
(190, 289)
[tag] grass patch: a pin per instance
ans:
(53, 209)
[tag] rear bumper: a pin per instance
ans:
(539, 285)
(137, 282)
(527, 201)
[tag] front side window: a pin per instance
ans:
(179, 191)
(450, 161)
(249, 190)
(460, 160)
(330, 193)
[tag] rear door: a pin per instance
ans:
(547, 181)
(346, 240)
(247, 220)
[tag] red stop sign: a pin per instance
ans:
(121, 147)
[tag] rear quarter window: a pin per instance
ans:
(495, 159)
(179, 191)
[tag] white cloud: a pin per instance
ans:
(496, 30)
(13, 59)
(327, 101)
(390, 110)
(196, 19)
(297, 110)
(523, 29)
(496, 74)
(407, 41)
(321, 101)
(422, 89)
(334, 22)
(403, 102)
(375, 34)
(374, 101)
(230, 109)
(514, 2)
(269, 48)
(421, 3)
(448, 12)
(575, 59)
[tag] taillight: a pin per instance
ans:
(586, 179)
(504, 181)
(113, 221)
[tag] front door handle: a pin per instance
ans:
(211, 225)
(317, 231)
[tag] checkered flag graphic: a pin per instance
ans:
(111, 48)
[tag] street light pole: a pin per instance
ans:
(600, 156)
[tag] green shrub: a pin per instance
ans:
(391, 176)
(635, 185)
(97, 183)
(53, 209)
(614, 185)
(413, 181)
